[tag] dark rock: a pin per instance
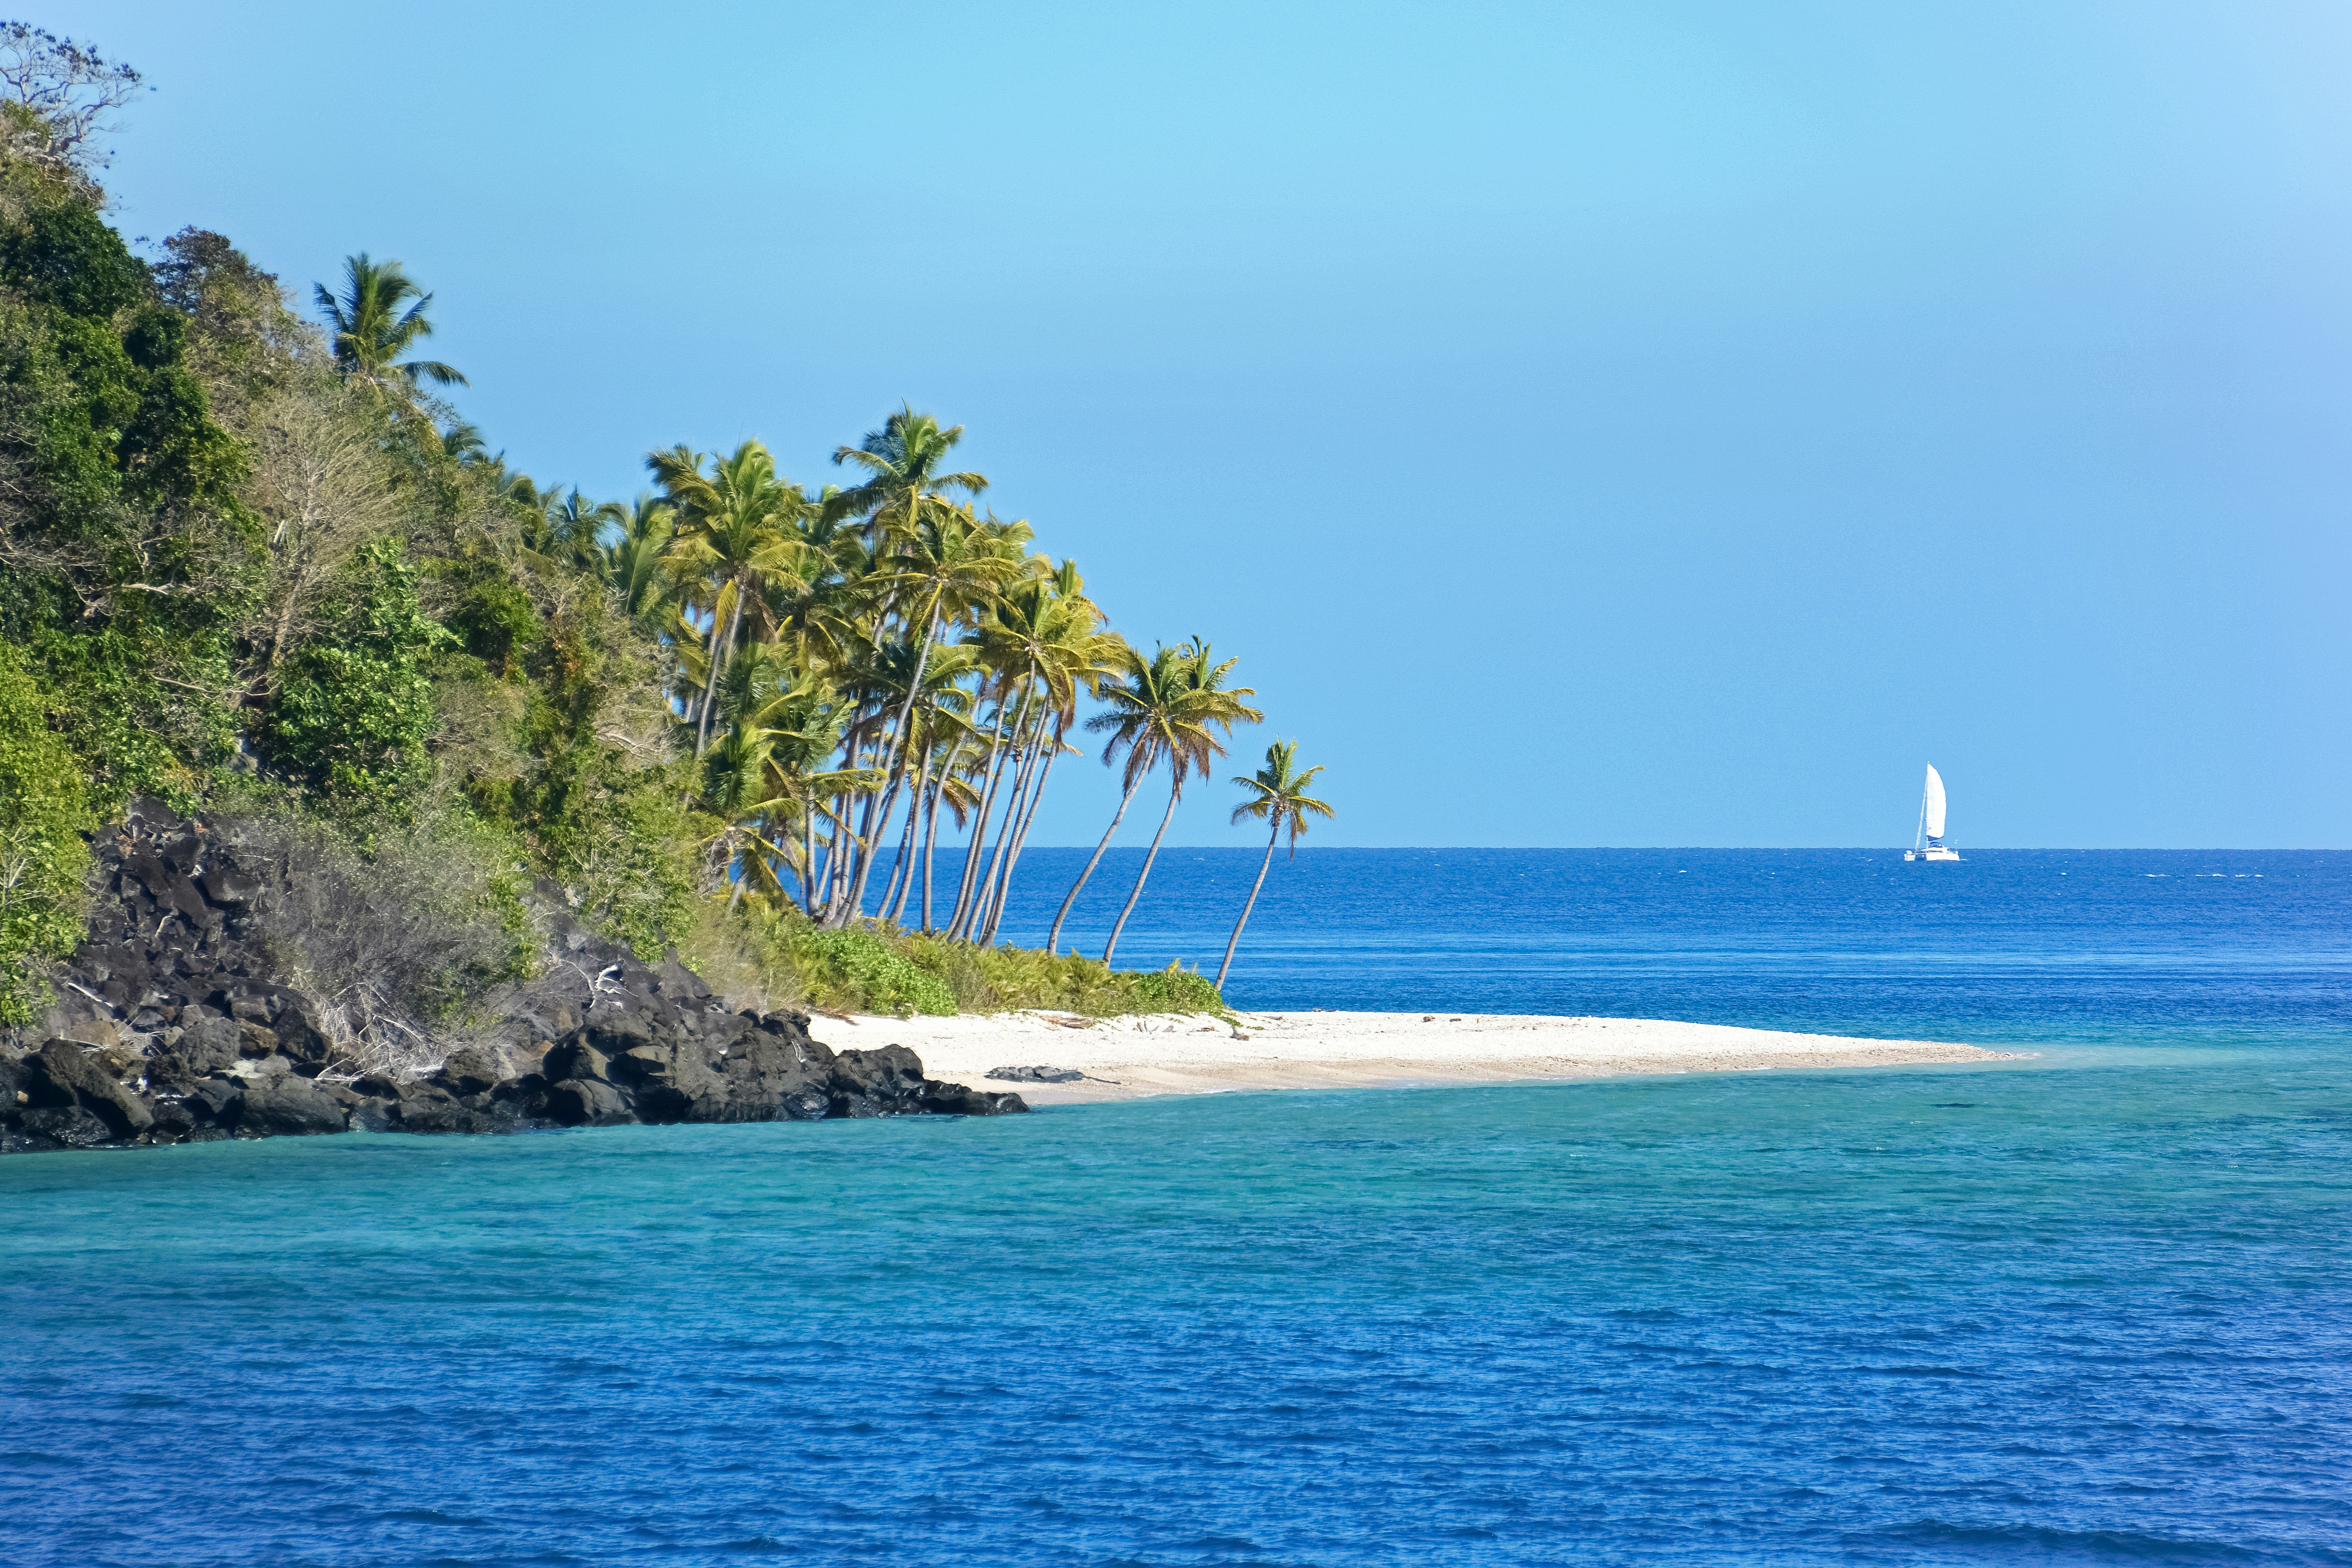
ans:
(887, 1081)
(574, 1058)
(216, 1101)
(283, 1103)
(613, 1030)
(472, 1070)
(174, 1022)
(64, 1075)
(64, 1127)
(586, 1102)
(208, 1044)
(231, 887)
(959, 1100)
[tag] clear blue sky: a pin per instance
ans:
(1633, 423)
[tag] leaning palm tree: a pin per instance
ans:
(945, 565)
(1201, 701)
(370, 331)
(1279, 798)
(1049, 630)
(1144, 721)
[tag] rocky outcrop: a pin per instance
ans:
(173, 1023)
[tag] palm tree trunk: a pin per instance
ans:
(710, 681)
(1235, 941)
(1016, 765)
(849, 895)
(808, 854)
(1054, 937)
(1175, 788)
(869, 842)
(897, 879)
(903, 873)
(1021, 834)
(902, 737)
(979, 822)
(931, 826)
(968, 917)
(984, 914)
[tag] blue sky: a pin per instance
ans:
(1628, 424)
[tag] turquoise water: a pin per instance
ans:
(2086, 1309)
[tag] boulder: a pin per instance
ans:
(216, 1101)
(279, 1104)
(63, 1127)
(63, 1075)
(472, 1070)
(886, 1081)
(586, 1102)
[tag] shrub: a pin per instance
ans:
(397, 943)
(43, 812)
(857, 970)
(356, 708)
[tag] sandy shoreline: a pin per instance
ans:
(1127, 1059)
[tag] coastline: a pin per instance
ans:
(1146, 1055)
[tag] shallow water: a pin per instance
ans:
(2087, 1309)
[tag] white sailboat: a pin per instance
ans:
(1929, 845)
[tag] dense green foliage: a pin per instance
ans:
(353, 712)
(256, 564)
(880, 969)
(44, 811)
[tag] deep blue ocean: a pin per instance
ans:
(2089, 1308)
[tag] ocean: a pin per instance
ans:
(2091, 1307)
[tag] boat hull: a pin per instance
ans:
(1937, 853)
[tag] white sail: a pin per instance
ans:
(1933, 808)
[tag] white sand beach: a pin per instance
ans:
(1126, 1059)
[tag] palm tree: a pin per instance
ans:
(1143, 721)
(735, 530)
(1279, 797)
(370, 330)
(816, 609)
(1161, 711)
(1199, 698)
(632, 565)
(570, 529)
(945, 564)
(903, 460)
(1049, 630)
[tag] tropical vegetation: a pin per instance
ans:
(260, 563)
(1276, 795)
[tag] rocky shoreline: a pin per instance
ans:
(174, 1023)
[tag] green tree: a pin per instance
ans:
(56, 95)
(354, 713)
(633, 565)
(1167, 709)
(946, 564)
(735, 529)
(1199, 703)
(904, 463)
(370, 331)
(1279, 798)
(43, 812)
